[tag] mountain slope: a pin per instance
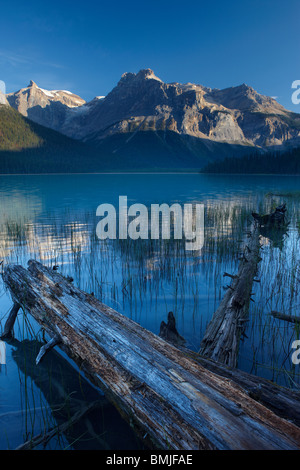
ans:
(17, 133)
(27, 147)
(164, 151)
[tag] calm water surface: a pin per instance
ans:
(53, 219)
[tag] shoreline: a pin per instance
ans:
(150, 173)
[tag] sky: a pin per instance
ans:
(85, 46)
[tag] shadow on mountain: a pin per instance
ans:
(162, 151)
(145, 151)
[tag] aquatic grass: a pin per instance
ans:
(278, 290)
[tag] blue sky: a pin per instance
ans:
(86, 46)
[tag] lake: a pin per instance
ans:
(52, 218)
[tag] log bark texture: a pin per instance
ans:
(282, 401)
(171, 398)
(222, 336)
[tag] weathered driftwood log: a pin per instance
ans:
(222, 336)
(284, 402)
(284, 316)
(170, 397)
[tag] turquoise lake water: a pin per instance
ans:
(52, 218)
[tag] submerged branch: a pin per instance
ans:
(284, 316)
(43, 438)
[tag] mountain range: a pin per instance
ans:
(144, 123)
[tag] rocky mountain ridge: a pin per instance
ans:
(142, 102)
(46, 107)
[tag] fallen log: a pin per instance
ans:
(282, 401)
(222, 336)
(168, 397)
